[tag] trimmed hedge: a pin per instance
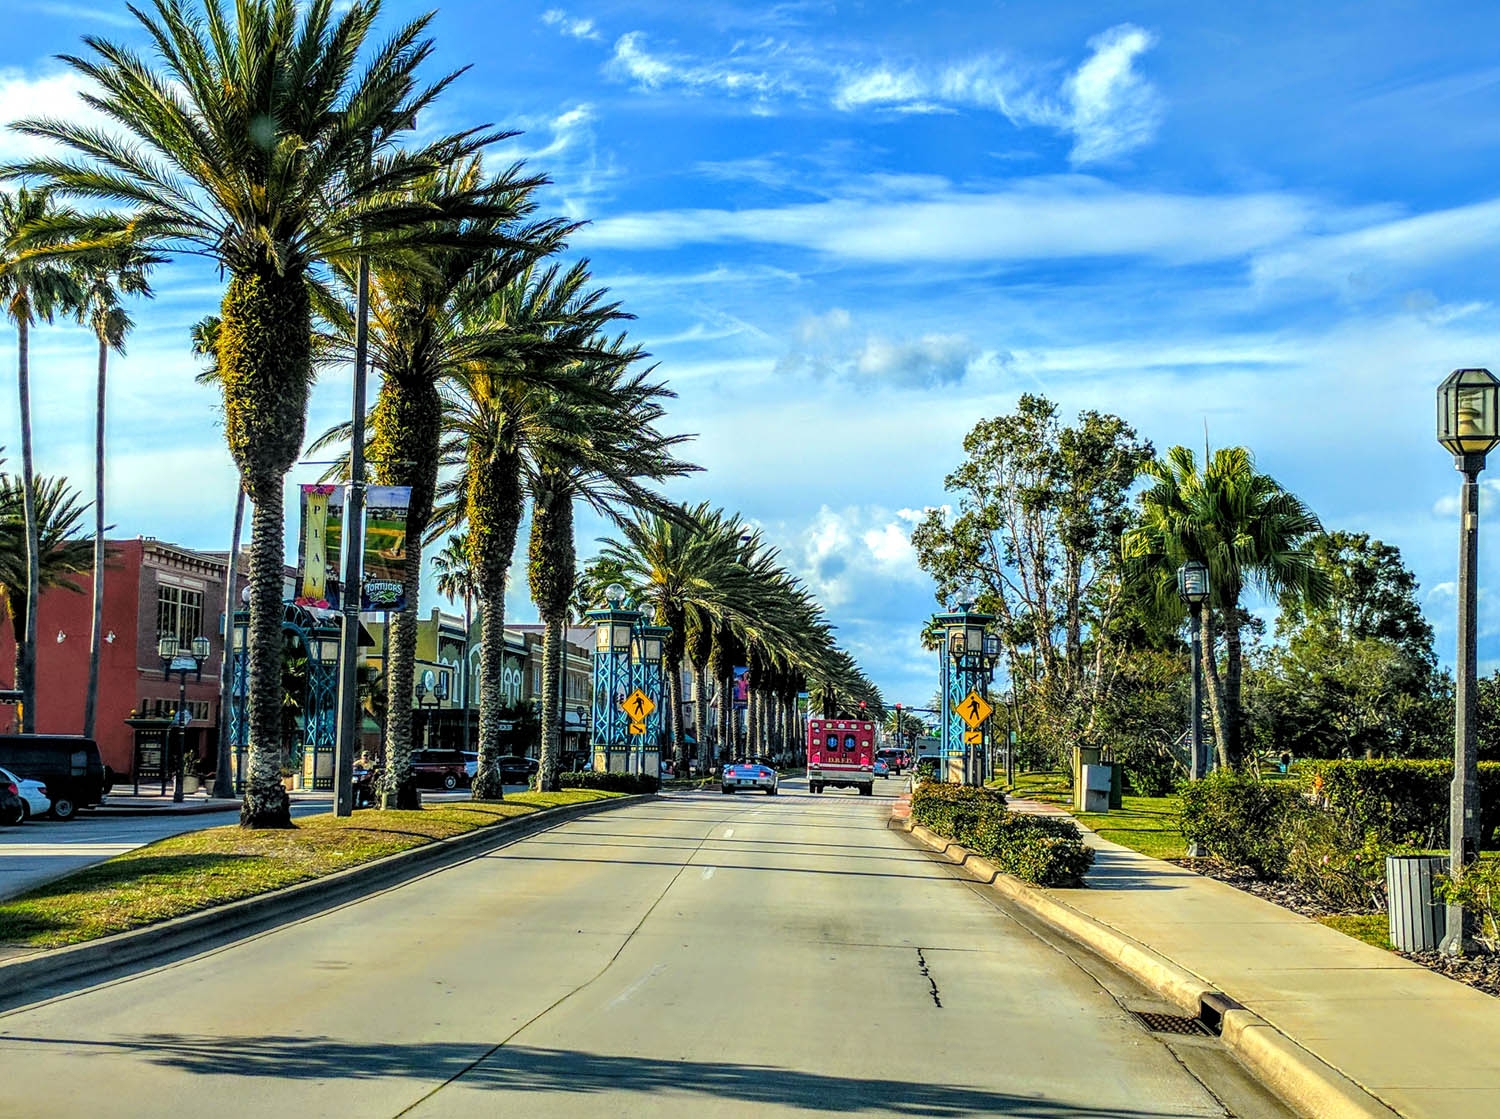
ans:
(1042, 850)
(1239, 819)
(611, 782)
(1402, 801)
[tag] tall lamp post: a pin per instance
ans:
(175, 660)
(967, 660)
(650, 642)
(613, 636)
(1192, 588)
(1468, 425)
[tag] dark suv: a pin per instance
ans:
(69, 766)
(439, 769)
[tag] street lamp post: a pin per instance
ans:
(613, 636)
(174, 660)
(967, 659)
(1192, 588)
(1468, 425)
(648, 647)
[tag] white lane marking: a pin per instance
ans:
(708, 872)
(625, 995)
(728, 832)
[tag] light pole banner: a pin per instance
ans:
(385, 547)
(319, 545)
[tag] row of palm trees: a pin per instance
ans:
(269, 141)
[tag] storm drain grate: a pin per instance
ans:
(1171, 1024)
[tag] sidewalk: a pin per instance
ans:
(1425, 1045)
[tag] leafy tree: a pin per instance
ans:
(263, 141)
(1035, 541)
(1249, 532)
(31, 288)
(455, 580)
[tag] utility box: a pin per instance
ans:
(1418, 921)
(1094, 788)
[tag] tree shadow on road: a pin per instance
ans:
(515, 1068)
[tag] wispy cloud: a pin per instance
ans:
(1105, 104)
(646, 69)
(828, 347)
(567, 25)
(115, 17)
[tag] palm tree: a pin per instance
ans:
(265, 144)
(499, 415)
(102, 279)
(64, 553)
(607, 450)
(30, 289)
(1248, 531)
(455, 579)
(427, 323)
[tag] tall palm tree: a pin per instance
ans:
(499, 415)
(427, 323)
(31, 289)
(64, 552)
(455, 579)
(1248, 531)
(262, 142)
(102, 279)
(604, 455)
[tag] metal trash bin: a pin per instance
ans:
(1418, 922)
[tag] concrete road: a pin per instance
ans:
(702, 955)
(41, 849)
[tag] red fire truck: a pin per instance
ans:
(841, 755)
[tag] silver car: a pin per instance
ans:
(749, 775)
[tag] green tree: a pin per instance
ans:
(102, 279)
(31, 289)
(65, 554)
(1249, 532)
(263, 142)
(1034, 540)
(455, 580)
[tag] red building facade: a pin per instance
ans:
(150, 589)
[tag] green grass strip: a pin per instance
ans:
(188, 873)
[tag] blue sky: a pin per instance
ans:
(849, 231)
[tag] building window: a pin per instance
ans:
(179, 612)
(165, 707)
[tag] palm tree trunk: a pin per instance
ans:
(223, 777)
(266, 803)
(398, 788)
(1216, 705)
(673, 695)
(468, 673)
(1233, 672)
(91, 696)
(494, 503)
(26, 649)
(553, 710)
(700, 717)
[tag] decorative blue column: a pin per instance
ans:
(966, 663)
(615, 626)
(646, 668)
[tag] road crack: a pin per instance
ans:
(937, 999)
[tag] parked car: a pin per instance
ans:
(12, 807)
(749, 775)
(439, 769)
(34, 797)
(516, 770)
(69, 766)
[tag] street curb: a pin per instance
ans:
(50, 972)
(109, 812)
(1303, 1080)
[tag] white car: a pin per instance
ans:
(34, 797)
(749, 775)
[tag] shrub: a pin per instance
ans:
(611, 782)
(1240, 820)
(1043, 850)
(926, 769)
(1150, 773)
(1403, 801)
(1477, 889)
(1336, 865)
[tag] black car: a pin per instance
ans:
(69, 766)
(12, 807)
(516, 770)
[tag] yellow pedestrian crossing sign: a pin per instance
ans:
(637, 705)
(974, 710)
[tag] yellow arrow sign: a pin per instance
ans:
(973, 738)
(637, 705)
(637, 728)
(974, 710)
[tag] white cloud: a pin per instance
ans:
(101, 14)
(632, 62)
(1045, 218)
(55, 95)
(1105, 105)
(576, 28)
(825, 347)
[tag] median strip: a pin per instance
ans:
(197, 871)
